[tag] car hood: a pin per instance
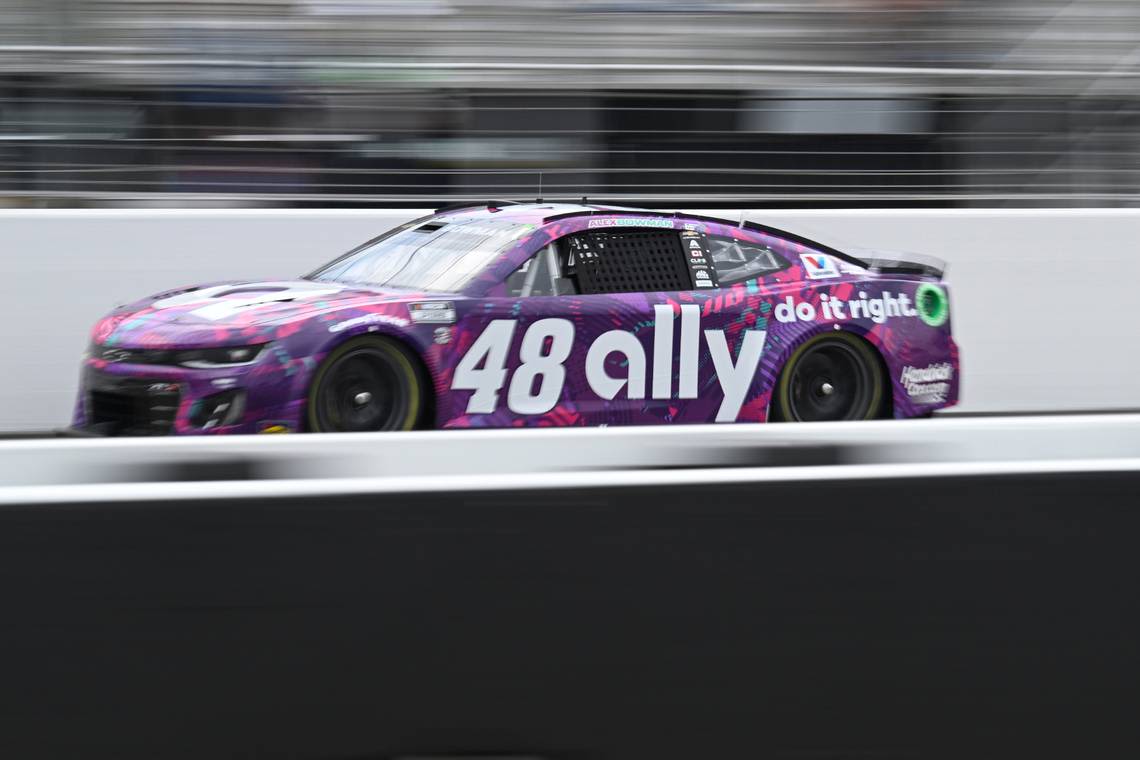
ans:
(235, 311)
(248, 303)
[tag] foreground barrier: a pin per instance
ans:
(787, 612)
(281, 462)
(593, 608)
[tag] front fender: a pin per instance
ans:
(304, 352)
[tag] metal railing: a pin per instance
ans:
(1008, 102)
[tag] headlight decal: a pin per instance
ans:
(198, 358)
(210, 358)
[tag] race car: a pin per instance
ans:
(534, 314)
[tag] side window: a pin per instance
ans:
(540, 275)
(625, 261)
(735, 260)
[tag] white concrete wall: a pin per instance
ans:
(1043, 300)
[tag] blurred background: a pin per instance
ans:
(930, 589)
(813, 103)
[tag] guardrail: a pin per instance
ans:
(432, 460)
(576, 594)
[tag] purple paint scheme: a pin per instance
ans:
(301, 321)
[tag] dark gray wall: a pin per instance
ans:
(981, 617)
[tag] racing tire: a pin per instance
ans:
(831, 377)
(367, 384)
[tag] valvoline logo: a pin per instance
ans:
(818, 266)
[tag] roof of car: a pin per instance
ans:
(542, 213)
(537, 213)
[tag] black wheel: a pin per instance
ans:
(366, 384)
(836, 376)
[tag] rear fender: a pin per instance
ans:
(910, 343)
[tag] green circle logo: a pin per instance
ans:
(933, 305)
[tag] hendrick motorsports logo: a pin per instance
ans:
(928, 385)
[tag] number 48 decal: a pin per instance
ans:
(490, 350)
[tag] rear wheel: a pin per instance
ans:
(836, 376)
(366, 384)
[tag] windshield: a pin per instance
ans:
(437, 255)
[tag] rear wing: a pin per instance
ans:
(913, 264)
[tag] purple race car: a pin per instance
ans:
(507, 315)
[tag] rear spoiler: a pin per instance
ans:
(914, 264)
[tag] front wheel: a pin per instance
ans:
(366, 384)
(835, 376)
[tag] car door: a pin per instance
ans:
(610, 326)
(636, 364)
